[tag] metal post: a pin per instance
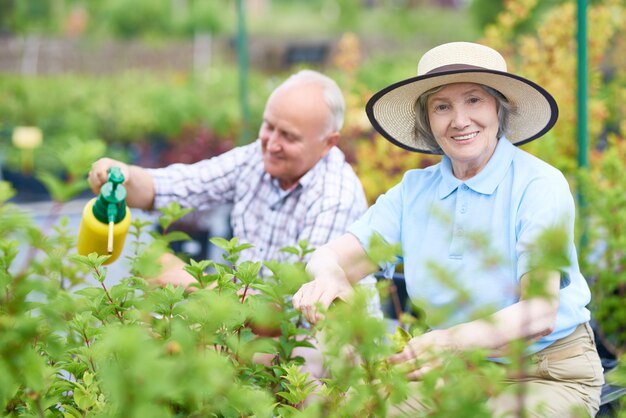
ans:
(242, 60)
(583, 152)
(583, 160)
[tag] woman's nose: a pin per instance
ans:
(460, 119)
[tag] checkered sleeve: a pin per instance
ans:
(204, 184)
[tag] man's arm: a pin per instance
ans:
(138, 182)
(172, 272)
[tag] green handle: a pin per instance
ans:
(111, 203)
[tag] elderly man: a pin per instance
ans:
(291, 184)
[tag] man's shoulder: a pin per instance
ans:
(247, 158)
(334, 169)
(336, 183)
(334, 158)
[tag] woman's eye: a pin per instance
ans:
(473, 100)
(441, 108)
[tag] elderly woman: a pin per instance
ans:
(465, 105)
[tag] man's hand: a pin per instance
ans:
(320, 294)
(138, 182)
(99, 173)
(172, 272)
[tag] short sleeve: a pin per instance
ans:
(546, 203)
(383, 218)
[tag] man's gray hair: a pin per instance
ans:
(331, 91)
(422, 125)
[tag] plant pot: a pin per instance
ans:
(28, 188)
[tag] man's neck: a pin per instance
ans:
(288, 185)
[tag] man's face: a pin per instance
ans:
(295, 132)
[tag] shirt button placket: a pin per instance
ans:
(458, 231)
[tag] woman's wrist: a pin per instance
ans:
(324, 266)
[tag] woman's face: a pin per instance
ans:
(464, 120)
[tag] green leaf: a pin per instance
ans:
(231, 246)
(248, 271)
(60, 190)
(399, 339)
(222, 243)
(84, 400)
(88, 378)
(197, 270)
(291, 250)
(172, 213)
(92, 260)
(6, 191)
(382, 252)
(146, 264)
(70, 412)
(84, 152)
(175, 236)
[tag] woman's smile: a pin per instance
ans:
(466, 137)
(463, 118)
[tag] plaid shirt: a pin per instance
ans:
(326, 200)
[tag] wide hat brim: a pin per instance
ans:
(392, 110)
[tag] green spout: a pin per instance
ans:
(110, 206)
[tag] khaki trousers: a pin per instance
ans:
(563, 380)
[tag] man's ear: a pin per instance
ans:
(331, 140)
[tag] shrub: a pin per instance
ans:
(130, 349)
(605, 256)
(113, 347)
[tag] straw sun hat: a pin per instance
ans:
(392, 110)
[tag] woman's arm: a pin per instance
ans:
(532, 317)
(334, 268)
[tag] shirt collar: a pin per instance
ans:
(486, 181)
(309, 176)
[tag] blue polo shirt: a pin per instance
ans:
(466, 243)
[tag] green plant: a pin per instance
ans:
(551, 46)
(123, 110)
(128, 349)
(602, 188)
(76, 342)
(605, 256)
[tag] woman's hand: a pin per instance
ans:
(334, 267)
(318, 295)
(422, 354)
